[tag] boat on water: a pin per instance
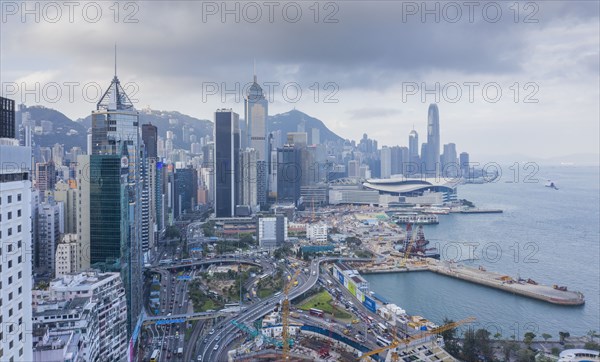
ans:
(551, 184)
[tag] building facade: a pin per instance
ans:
(16, 251)
(433, 141)
(227, 150)
(256, 109)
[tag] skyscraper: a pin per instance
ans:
(15, 262)
(248, 174)
(256, 108)
(116, 193)
(7, 118)
(150, 138)
(288, 174)
(450, 165)
(227, 149)
(413, 146)
(386, 162)
(464, 164)
(432, 162)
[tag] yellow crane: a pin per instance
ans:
(408, 249)
(285, 316)
(396, 342)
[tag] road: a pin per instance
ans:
(215, 348)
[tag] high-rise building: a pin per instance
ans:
(298, 139)
(58, 154)
(423, 163)
(83, 211)
(150, 138)
(464, 164)
(67, 256)
(7, 118)
(413, 154)
(49, 225)
(386, 162)
(432, 163)
(449, 160)
(256, 110)
(108, 292)
(67, 194)
(116, 201)
(227, 149)
(66, 330)
(315, 136)
(15, 262)
(45, 177)
(288, 174)
(272, 231)
(248, 178)
(186, 190)
(353, 168)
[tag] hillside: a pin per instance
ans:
(73, 133)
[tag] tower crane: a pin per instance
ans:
(397, 342)
(285, 315)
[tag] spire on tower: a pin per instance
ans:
(254, 69)
(115, 60)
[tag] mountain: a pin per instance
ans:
(170, 121)
(74, 133)
(63, 129)
(289, 122)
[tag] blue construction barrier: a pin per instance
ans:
(340, 338)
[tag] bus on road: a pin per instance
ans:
(316, 312)
(383, 342)
(155, 355)
(382, 328)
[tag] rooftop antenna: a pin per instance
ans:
(115, 60)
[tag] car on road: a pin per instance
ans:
(212, 331)
(199, 358)
(216, 347)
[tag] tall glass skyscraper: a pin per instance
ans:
(413, 152)
(116, 159)
(432, 162)
(226, 171)
(256, 109)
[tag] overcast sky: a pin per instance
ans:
(370, 61)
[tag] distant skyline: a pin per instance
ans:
(171, 51)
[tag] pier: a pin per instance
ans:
(490, 279)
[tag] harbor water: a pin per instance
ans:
(551, 236)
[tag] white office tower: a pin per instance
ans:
(15, 251)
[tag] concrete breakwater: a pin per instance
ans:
(495, 280)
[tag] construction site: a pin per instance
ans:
(360, 331)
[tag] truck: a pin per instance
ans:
(180, 351)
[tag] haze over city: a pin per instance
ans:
(366, 181)
(370, 56)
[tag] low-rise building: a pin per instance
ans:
(67, 255)
(108, 292)
(316, 233)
